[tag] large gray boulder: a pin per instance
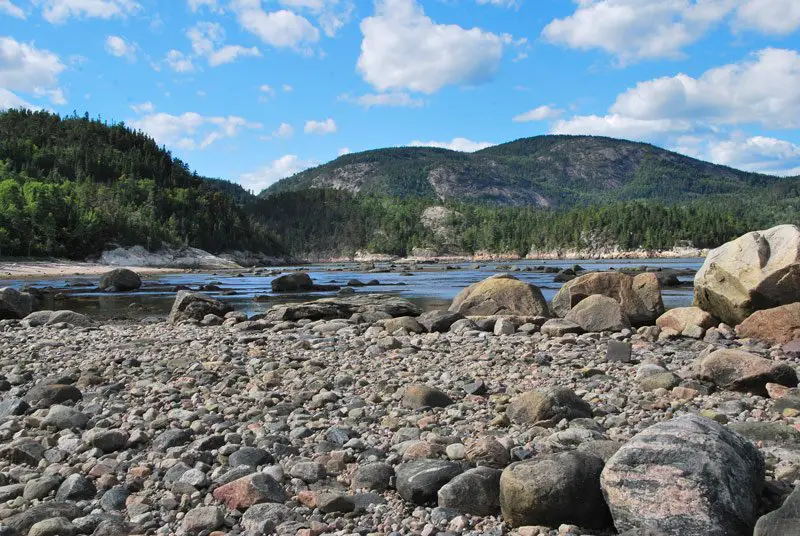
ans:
(554, 489)
(475, 492)
(737, 370)
(599, 313)
(194, 305)
(292, 282)
(500, 295)
(688, 475)
(759, 270)
(120, 280)
(639, 296)
(15, 304)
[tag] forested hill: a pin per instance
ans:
(75, 186)
(545, 171)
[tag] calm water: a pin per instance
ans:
(431, 286)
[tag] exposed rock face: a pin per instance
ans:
(689, 475)
(554, 489)
(120, 280)
(778, 325)
(292, 282)
(639, 296)
(682, 317)
(345, 307)
(500, 295)
(194, 305)
(742, 371)
(552, 404)
(599, 313)
(759, 270)
(15, 304)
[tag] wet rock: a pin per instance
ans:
(551, 405)
(555, 489)
(688, 475)
(419, 395)
(345, 307)
(736, 370)
(419, 481)
(500, 295)
(292, 282)
(779, 325)
(474, 492)
(120, 280)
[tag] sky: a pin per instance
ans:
(257, 90)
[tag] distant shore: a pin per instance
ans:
(40, 269)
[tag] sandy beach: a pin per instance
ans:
(63, 268)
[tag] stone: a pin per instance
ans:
(664, 380)
(474, 492)
(292, 282)
(308, 471)
(779, 325)
(598, 313)
(24, 450)
(407, 323)
(13, 406)
(618, 352)
(504, 327)
(15, 304)
(737, 370)
(64, 418)
(785, 521)
(343, 307)
(44, 395)
(56, 526)
(419, 481)
(120, 280)
(439, 321)
(332, 502)
(769, 433)
(249, 490)
(263, 518)
(680, 317)
(202, 518)
(114, 500)
(372, 476)
(250, 456)
(195, 306)
(75, 488)
(22, 522)
(500, 295)
(639, 296)
(558, 327)
(551, 405)
(554, 489)
(173, 437)
(688, 475)
(487, 452)
(106, 440)
(39, 488)
(419, 395)
(37, 319)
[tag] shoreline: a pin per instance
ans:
(45, 269)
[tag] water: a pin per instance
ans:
(430, 286)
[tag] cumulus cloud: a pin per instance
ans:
(28, 69)
(58, 11)
(179, 62)
(143, 108)
(191, 130)
(780, 17)
(761, 154)
(618, 126)
(284, 131)
(281, 29)
(327, 126)
(398, 99)
(283, 167)
(212, 5)
(9, 100)
(403, 49)
(207, 40)
(541, 113)
(331, 15)
(117, 46)
(456, 144)
(9, 8)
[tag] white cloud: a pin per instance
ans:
(287, 88)
(764, 88)
(331, 15)
(179, 62)
(267, 90)
(7, 7)
(757, 153)
(500, 3)
(207, 38)
(343, 151)
(769, 16)
(283, 28)
(191, 130)
(618, 126)
(58, 11)
(143, 108)
(539, 114)
(211, 5)
(456, 144)
(23, 67)
(117, 46)
(9, 100)
(396, 99)
(404, 49)
(283, 167)
(284, 131)
(320, 127)
(230, 53)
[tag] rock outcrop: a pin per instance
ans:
(759, 270)
(500, 295)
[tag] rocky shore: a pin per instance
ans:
(599, 413)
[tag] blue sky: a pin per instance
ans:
(255, 90)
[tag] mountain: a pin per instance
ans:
(543, 171)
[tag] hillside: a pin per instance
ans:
(544, 171)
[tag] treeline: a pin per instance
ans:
(75, 186)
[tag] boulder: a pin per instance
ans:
(785, 521)
(194, 305)
(759, 270)
(475, 492)
(419, 481)
(37, 318)
(558, 327)
(292, 282)
(15, 304)
(419, 395)
(68, 317)
(500, 295)
(120, 280)
(682, 317)
(407, 323)
(555, 489)
(551, 405)
(737, 370)
(439, 321)
(688, 475)
(344, 307)
(639, 296)
(599, 313)
(779, 325)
